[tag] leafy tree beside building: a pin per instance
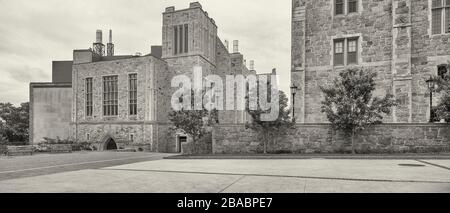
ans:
(443, 82)
(349, 103)
(192, 122)
(14, 122)
(270, 131)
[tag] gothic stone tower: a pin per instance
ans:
(189, 39)
(398, 39)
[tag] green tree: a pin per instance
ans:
(270, 131)
(14, 122)
(443, 109)
(194, 123)
(349, 103)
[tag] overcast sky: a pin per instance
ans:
(35, 33)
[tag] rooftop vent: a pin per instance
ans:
(235, 46)
(252, 65)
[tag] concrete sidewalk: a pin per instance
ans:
(44, 164)
(445, 156)
(218, 176)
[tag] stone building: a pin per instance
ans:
(403, 41)
(123, 101)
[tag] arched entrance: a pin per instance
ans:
(110, 144)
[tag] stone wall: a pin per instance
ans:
(395, 41)
(428, 51)
(203, 146)
(20, 150)
(202, 32)
(149, 86)
(156, 137)
(166, 138)
(320, 138)
(154, 96)
(230, 65)
(50, 110)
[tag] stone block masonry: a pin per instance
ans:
(320, 138)
(394, 40)
(50, 107)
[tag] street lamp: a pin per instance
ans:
(431, 83)
(294, 91)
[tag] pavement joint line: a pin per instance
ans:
(75, 164)
(280, 176)
(234, 182)
(433, 164)
(304, 188)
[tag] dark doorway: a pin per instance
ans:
(181, 140)
(442, 71)
(111, 145)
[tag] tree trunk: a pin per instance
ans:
(194, 146)
(353, 141)
(266, 139)
(274, 144)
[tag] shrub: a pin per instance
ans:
(50, 141)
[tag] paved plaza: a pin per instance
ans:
(152, 174)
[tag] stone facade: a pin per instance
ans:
(394, 40)
(50, 106)
(320, 138)
(126, 130)
(151, 74)
(195, 44)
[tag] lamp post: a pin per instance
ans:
(294, 92)
(431, 83)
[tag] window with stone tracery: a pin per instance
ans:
(110, 96)
(440, 17)
(180, 39)
(132, 81)
(89, 97)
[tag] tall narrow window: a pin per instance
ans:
(447, 16)
(352, 47)
(181, 39)
(339, 7)
(440, 16)
(186, 38)
(339, 52)
(352, 6)
(110, 96)
(89, 98)
(206, 42)
(437, 3)
(436, 15)
(133, 93)
(180, 30)
(175, 40)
